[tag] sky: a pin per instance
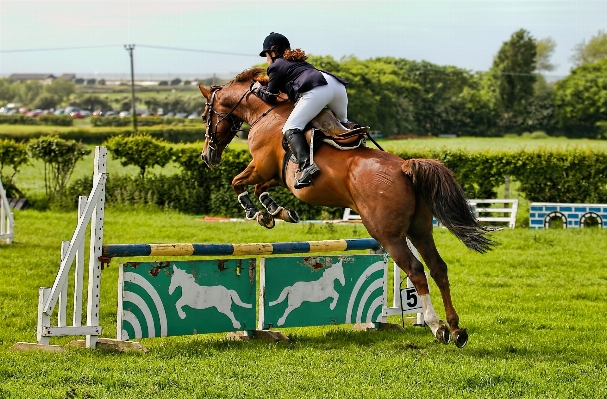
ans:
(465, 34)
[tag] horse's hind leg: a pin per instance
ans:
(261, 192)
(438, 270)
(404, 258)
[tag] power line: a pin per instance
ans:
(196, 50)
(117, 45)
(56, 49)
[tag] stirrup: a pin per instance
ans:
(306, 176)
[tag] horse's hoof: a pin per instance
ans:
(266, 220)
(443, 334)
(289, 215)
(460, 338)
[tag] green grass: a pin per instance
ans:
(490, 144)
(534, 308)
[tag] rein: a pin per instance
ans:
(221, 116)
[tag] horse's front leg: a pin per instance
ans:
(261, 192)
(248, 177)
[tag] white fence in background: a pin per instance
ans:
(486, 210)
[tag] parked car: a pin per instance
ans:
(71, 108)
(77, 115)
(35, 112)
(194, 116)
(181, 115)
(110, 113)
(85, 112)
(124, 114)
(60, 111)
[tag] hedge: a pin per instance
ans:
(49, 120)
(567, 176)
(573, 176)
(116, 121)
(172, 134)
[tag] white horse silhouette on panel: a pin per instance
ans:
(202, 297)
(312, 291)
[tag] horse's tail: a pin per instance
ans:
(237, 301)
(447, 201)
(281, 297)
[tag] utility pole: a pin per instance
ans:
(130, 48)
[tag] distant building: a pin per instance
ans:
(68, 76)
(43, 78)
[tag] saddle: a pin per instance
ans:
(334, 133)
(326, 128)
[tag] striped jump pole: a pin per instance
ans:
(247, 249)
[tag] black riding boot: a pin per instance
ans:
(301, 150)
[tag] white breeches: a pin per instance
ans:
(332, 95)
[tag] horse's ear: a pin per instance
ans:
(205, 92)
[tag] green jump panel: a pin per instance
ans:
(322, 290)
(158, 299)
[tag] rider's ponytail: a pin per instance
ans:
(295, 55)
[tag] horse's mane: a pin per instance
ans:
(248, 75)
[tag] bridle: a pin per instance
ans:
(235, 124)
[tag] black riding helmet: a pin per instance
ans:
(275, 42)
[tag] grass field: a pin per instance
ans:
(534, 308)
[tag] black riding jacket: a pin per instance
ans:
(292, 78)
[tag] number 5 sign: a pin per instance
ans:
(410, 302)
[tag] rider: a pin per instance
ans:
(309, 88)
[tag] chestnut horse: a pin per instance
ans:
(395, 198)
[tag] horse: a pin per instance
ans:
(312, 291)
(395, 198)
(203, 297)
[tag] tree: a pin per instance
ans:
(545, 49)
(93, 102)
(175, 82)
(91, 82)
(60, 88)
(163, 83)
(12, 155)
(152, 104)
(59, 157)
(101, 82)
(594, 50)
(7, 91)
(46, 101)
(581, 100)
(140, 150)
(27, 92)
(513, 72)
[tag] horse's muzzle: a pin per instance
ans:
(210, 157)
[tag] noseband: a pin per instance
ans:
(211, 131)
